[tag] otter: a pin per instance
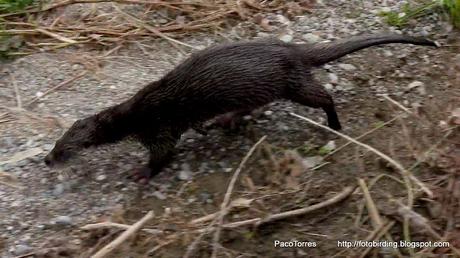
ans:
(232, 77)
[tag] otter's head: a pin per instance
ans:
(82, 134)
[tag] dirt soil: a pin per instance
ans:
(42, 210)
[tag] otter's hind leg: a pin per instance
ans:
(311, 93)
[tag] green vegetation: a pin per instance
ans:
(8, 6)
(9, 43)
(411, 11)
(453, 9)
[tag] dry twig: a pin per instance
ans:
(347, 191)
(108, 224)
(228, 194)
(124, 236)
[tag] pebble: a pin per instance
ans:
(205, 197)
(385, 9)
(21, 249)
(328, 86)
(313, 161)
(184, 175)
(58, 189)
(159, 195)
(347, 67)
(268, 113)
(101, 177)
(312, 38)
(420, 86)
(330, 146)
(333, 78)
(286, 38)
(63, 220)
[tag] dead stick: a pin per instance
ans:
(347, 191)
(124, 236)
(405, 173)
(108, 224)
(228, 194)
(377, 234)
(57, 36)
(16, 91)
(372, 209)
(397, 104)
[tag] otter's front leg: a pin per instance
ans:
(161, 152)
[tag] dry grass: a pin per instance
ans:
(112, 23)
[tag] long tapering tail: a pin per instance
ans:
(322, 53)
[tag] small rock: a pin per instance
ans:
(286, 38)
(330, 146)
(184, 175)
(247, 117)
(328, 86)
(159, 195)
(419, 85)
(101, 177)
(387, 53)
(312, 38)
(77, 66)
(48, 147)
(385, 9)
(268, 113)
(333, 78)
(347, 67)
(63, 220)
(162, 21)
(283, 20)
(39, 94)
(58, 189)
(22, 249)
(204, 197)
(313, 161)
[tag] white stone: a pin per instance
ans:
(333, 78)
(312, 38)
(286, 38)
(347, 67)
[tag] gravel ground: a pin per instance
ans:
(52, 201)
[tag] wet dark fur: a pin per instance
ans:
(217, 80)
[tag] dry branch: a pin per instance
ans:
(108, 224)
(347, 191)
(370, 204)
(124, 236)
(398, 104)
(16, 91)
